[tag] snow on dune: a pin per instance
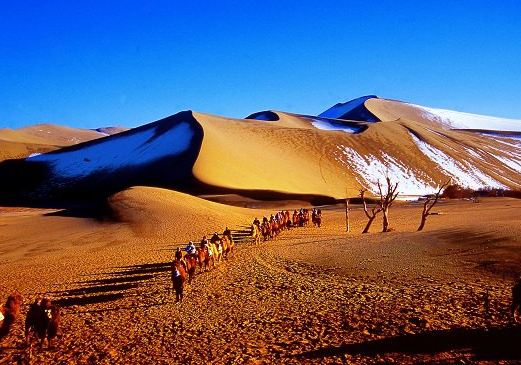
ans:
(460, 120)
(370, 169)
(509, 141)
(127, 150)
(512, 163)
(328, 125)
(462, 172)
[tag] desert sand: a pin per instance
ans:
(312, 295)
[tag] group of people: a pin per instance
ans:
(206, 256)
(219, 247)
(270, 228)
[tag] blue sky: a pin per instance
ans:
(99, 63)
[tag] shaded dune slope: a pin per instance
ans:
(156, 154)
(352, 110)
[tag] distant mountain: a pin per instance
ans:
(40, 138)
(277, 154)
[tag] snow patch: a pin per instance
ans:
(327, 125)
(460, 120)
(462, 172)
(511, 163)
(122, 151)
(370, 169)
(474, 153)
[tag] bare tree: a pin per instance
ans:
(370, 216)
(429, 203)
(386, 200)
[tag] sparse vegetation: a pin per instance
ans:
(429, 203)
(456, 191)
(374, 211)
(386, 201)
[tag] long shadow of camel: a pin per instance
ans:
(496, 343)
(110, 289)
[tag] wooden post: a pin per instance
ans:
(347, 215)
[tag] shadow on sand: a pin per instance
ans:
(493, 344)
(119, 285)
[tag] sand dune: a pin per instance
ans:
(276, 153)
(329, 162)
(42, 138)
(154, 212)
(312, 295)
(388, 110)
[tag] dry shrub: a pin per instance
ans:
(456, 191)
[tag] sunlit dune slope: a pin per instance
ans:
(291, 153)
(160, 212)
(13, 150)
(250, 155)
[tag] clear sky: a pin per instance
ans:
(99, 63)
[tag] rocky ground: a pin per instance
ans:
(313, 295)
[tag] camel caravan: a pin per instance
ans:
(270, 228)
(43, 318)
(211, 252)
(219, 247)
(41, 322)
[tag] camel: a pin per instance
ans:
(256, 233)
(178, 279)
(43, 319)
(191, 263)
(9, 313)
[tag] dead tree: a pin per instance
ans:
(370, 216)
(429, 203)
(386, 200)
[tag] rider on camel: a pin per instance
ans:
(215, 238)
(227, 233)
(179, 257)
(190, 248)
(205, 245)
